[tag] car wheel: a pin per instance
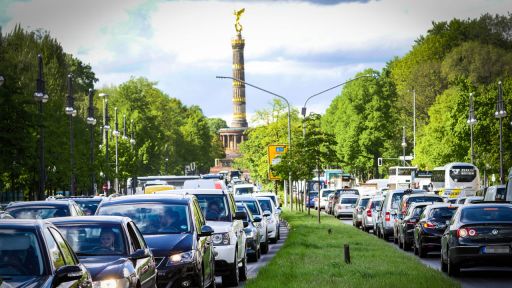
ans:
(232, 278)
(278, 232)
(395, 238)
(253, 257)
(212, 284)
(414, 249)
(264, 246)
(242, 271)
(400, 243)
(452, 268)
(259, 253)
(421, 251)
(406, 245)
(444, 266)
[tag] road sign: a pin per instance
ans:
(275, 151)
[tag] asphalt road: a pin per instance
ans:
(254, 267)
(487, 277)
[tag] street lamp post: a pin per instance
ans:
(106, 127)
(132, 143)
(41, 97)
(71, 112)
(116, 134)
(500, 114)
(471, 121)
(404, 144)
(91, 121)
(289, 126)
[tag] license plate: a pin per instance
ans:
(496, 250)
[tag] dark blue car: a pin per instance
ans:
(311, 201)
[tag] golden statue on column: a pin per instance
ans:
(238, 26)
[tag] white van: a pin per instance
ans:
(243, 189)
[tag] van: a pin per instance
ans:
(496, 193)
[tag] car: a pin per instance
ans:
(270, 195)
(388, 211)
(33, 253)
(252, 233)
(88, 204)
(496, 193)
(345, 206)
(255, 208)
(409, 199)
(273, 221)
(357, 213)
(176, 233)
(44, 209)
(370, 214)
(477, 235)
(332, 199)
(310, 203)
(243, 189)
(205, 183)
(405, 233)
(111, 248)
(229, 240)
(5, 215)
(473, 199)
(321, 201)
(430, 227)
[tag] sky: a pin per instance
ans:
(293, 48)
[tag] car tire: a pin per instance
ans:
(212, 284)
(395, 238)
(231, 279)
(414, 249)
(452, 268)
(278, 232)
(406, 245)
(242, 271)
(400, 243)
(259, 253)
(253, 257)
(264, 246)
(422, 253)
(444, 266)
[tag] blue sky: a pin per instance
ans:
(293, 48)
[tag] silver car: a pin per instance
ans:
(357, 215)
(345, 207)
(370, 214)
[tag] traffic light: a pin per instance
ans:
(379, 161)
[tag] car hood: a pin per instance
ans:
(219, 227)
(26, 281)
(103, 267)
(163, 245)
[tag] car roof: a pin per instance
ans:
(244, 185)
(245, 198)
(89, 219)
(194, 191)
(349, 196)
(423, 195)
(485, 205)
(443, 205)
(141, 198)
(23, 223)
(54, 203)
(264, 194)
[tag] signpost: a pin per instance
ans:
(275, 151)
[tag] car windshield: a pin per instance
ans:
(442, 213)
(41, 212)
(88, 207)
(416, 212)
(19, 254)
(214, 207)
(265, 204)
(363, 202)
(486, 214)
(424, 199)
(96, 239)
(153, 218)
(348, 200)
(243, 190)
(376, 204)
(253, 206)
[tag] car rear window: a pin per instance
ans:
(348, 200)
(376, 204)
(424, 199)
(442, 213)
(485, 214)
(363, 202)
(39, 212)
(395, 200)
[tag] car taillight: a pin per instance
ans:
(428, 225)
(369, 213)
(388, 216)
(411, 222)
(464, 232)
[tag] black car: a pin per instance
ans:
(111, 248)
(252, 233)
(33, 253)
(431, 226)
(407, 223)
(88, 204)
(43, 209)
(176, 232)
(478, 235)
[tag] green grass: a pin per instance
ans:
(311, 257)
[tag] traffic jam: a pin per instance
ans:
(177, 236)
(448, 216)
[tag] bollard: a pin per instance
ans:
(346, 250)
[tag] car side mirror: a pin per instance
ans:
(206, 231)
(139, 254)
(257, 219)
(246, 224)
(240, 215)
(267, 213)
(278, 210)
(66, 274)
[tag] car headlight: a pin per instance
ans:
(180, 258)
(220, 238)
(111, 283)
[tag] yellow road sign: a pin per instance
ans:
(275, 151)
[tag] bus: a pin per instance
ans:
(175, 181)
(401, 177)
(457, 175)
(337, 179)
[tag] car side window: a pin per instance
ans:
(134, 239)
(198, 215)
(56, 257)
(79, 210)
(66, 251)
(232, 205)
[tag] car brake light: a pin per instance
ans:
(369, 213)
(472, 232)
(388, 216)
(218, 185)
(428, 225)
(461, 233)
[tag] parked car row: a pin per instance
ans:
(176, 238)
(471, 234)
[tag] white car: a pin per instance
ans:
(229, 238)
(273, 221)
(255, 208)
(270, 195)
(243, 189)
(345, 207)
(323, 198)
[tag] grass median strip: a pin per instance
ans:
(311, 257)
